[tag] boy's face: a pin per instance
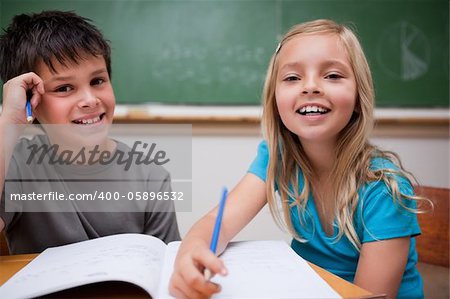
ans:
(78, 95)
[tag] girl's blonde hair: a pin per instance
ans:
(353, 153)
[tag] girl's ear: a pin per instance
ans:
(354, 116)
(356, 111)
(357, 106)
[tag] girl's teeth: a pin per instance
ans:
(312, 109)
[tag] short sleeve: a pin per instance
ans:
(160, 219)
(10, 211)
(385, 219)
(260, 163)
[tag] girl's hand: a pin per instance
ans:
(15, 97)
(194, 256)
(188, 279)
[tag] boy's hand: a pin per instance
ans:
(188, 280)
(15, 97)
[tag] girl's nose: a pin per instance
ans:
(311, 86)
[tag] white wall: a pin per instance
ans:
(223, 160)
(427, 158)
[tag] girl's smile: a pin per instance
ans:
(315, 87)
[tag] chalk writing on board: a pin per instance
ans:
(181, 63)
(412, 48)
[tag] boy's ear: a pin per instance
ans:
(35, 121)
(36, 116)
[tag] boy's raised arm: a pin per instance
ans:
(14, 113)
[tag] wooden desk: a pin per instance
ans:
(11, 264)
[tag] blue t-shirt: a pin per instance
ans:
(377, 217)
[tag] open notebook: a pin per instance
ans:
(257, 269)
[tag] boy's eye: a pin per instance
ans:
(64, 88)
(333, 76)
(97, 81)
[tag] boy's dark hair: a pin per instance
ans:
(64, 36)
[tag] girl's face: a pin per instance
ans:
(315, 87)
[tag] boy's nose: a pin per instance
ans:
(89, 101)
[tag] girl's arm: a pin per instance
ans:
(381, 265)
(243, 203)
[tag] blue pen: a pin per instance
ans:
(216, 231)
(28, 107)
(29, 115)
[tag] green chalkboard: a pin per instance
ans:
(406, 43)
(216, 52)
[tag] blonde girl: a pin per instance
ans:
(348, 205)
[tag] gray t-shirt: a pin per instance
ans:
(33, 232)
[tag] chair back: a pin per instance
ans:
(433, 244)
(3, 245)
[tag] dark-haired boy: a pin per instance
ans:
(65, 62)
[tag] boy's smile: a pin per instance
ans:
(77, 93)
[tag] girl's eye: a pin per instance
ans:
(333, 76)
(97, 81)
(64, 88)
(291, 78)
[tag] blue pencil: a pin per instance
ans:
(216, 232)
(29, 114)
